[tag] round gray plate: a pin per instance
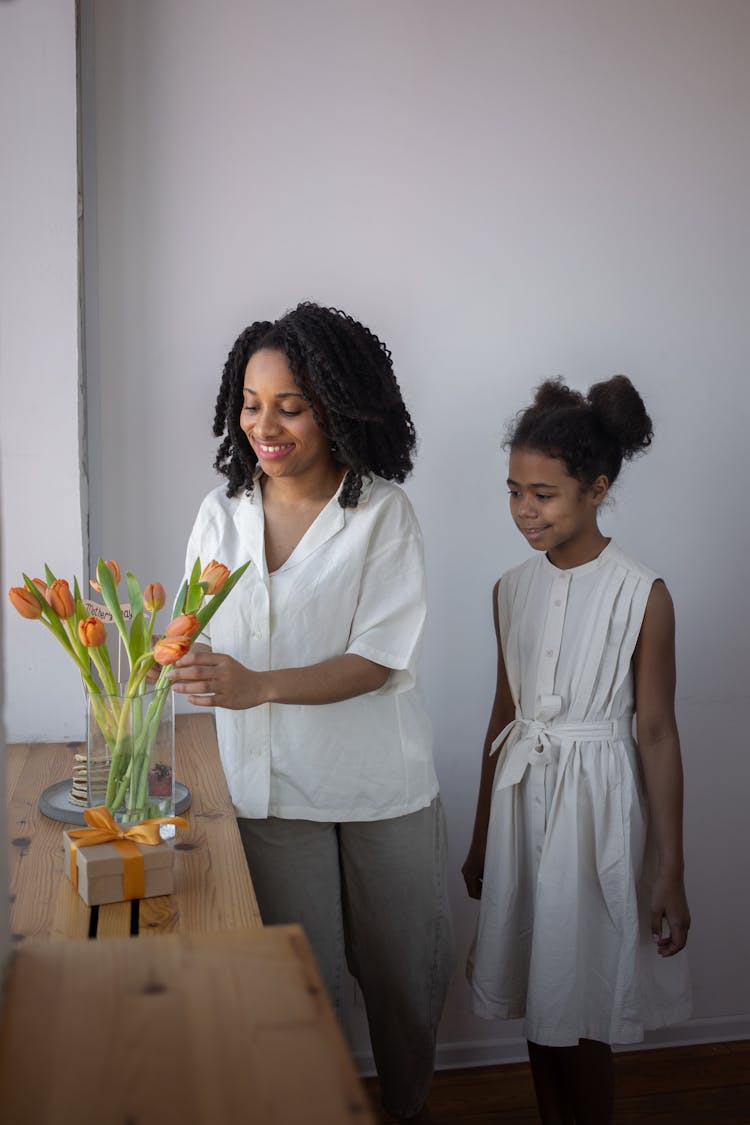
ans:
(55, 802)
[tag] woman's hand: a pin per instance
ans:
(213, 679)
(669, 901)
(473, 869)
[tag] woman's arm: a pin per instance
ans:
(503, 711)
(216, 680)
(659, 744)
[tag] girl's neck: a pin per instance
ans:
(579, 551)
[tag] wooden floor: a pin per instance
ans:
(697, 1085)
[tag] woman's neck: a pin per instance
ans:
(310, 489)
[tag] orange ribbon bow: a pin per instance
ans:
(104, 830)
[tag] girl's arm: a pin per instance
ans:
(659, 744)
(212, 679)
(503, 711)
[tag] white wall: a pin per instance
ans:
(503, 190)
(41, 473)
(40, 480)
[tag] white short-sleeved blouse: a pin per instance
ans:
(354, 583)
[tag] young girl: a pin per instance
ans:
(577, 846)
(323, 737)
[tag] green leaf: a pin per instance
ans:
(135, 595)
(191, 594)
(37, 594)
(50, 617)
(204, 615)
(195, 573)
(196, 592)
(48, 612)
(49, 577)
(81, 610)
(109, 593)
(138, 637)
(179, 602)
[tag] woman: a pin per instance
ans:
(322, 733)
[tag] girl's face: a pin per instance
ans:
(277, 420)
(553, 511)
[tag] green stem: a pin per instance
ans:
(122, 753)
(134, 739)
(142, 756)
(100, 658)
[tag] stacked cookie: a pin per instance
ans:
(82, 785)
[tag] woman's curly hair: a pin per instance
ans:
(346, 374)
(591, 434)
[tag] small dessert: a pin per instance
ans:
(160, 780)
(79, 793)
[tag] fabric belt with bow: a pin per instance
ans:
(533, 744)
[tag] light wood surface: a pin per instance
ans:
(213, 890)
(195, 1029)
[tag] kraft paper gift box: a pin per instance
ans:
(101, 871)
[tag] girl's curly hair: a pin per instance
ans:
(346, 374)
(591, 434)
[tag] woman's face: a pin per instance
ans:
(277, 419)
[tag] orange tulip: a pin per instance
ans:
(92, 632)
(24, 601)
(41, 586)
(154, 596)
(171, 649)
(214, 575)
(60, 598)
(186, 625)
(116, 574)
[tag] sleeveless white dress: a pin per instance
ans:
(564, 933)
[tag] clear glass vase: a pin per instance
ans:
(130, 754)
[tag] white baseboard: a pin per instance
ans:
(493, 1052)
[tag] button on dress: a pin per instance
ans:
(564, 933)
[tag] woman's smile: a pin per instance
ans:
(267, 452)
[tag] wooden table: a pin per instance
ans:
(213, 890)
(218, 1020)
(186, 1030)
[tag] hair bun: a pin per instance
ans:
(556, 394)
(622, 413)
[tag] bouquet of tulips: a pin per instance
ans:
(127, 715)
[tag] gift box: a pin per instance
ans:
(113, 872)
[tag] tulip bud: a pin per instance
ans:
(154, 596)
(41, 586)
(24, 601)
(214, 575)
(186, 625)
(116, 574)
(92, 632)
(171, 649)
(60, 598)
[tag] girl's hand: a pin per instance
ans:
(669, 901)
(213, 679)
(473, 870)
